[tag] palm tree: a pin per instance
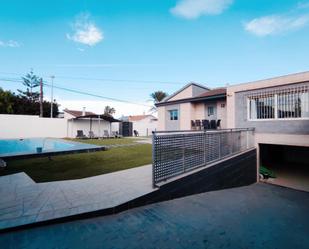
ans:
(157, 97)
(109, 111)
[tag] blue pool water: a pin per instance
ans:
(17, 147)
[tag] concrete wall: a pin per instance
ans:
(161, 118)
(172, 124)
(199, 111)
(277, 132)
(285, 126)
(186, 114)
(278, 81)
(222, 113)
(146, 126)
(26, 126)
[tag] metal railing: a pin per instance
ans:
(177, 152)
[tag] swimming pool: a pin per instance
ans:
(35, 147)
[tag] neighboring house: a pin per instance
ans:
(144, 124)
(88, 121)
(191, 106)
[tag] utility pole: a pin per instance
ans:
(41, 98)
(52, 96)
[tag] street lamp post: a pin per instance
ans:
(52, 96)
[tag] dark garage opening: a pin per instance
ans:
(289, 163)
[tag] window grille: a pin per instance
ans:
(289, 102)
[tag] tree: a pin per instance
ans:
(10, 103)
(157, 97)
(30, 81)
(109, 111)
(7, 100)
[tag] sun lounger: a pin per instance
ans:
(80, 134)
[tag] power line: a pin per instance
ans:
(80, 92)
(108, 79)
(95, 95)
(120, 80)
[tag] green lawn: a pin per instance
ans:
(75, 166)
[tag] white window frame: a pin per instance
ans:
(276, 118)
(213, 110)
(171, 116)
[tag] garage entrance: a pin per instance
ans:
(290, 165)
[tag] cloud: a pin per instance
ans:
(10, 44)
(192, 9)
(303, 5)
(275, 24)
(85, 31)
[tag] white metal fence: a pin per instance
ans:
(177, 152)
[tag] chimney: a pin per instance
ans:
(84, 111)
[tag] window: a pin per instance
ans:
(173, 114)
(210, 110)
(293, 105)
(262, 107)
(288, 103)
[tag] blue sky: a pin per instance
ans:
(213, 42)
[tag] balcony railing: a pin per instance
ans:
(178, 152)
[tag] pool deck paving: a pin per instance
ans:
(22, 201)
(259, 216)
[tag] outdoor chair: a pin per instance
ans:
(193, 126)
(116, 134)
(206, 124)
(198, 124)
(80, 134)
(219, 123)
(136, 133)
(112, 135)
(105, 134)
(213, 124)
(91, 135)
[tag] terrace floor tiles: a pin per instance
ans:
(25, 202)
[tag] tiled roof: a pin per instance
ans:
(217, 91)
(139, 117)
(78, 113)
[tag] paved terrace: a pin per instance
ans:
(22, 201)
(259, 216)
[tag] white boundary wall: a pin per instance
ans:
(26, 126)
(146, 126)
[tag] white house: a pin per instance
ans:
(88, 121)
(144, 124)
